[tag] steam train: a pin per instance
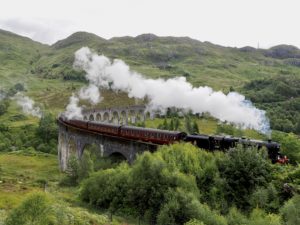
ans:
(161, 137)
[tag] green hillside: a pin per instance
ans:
(49, 78)
(176, 183)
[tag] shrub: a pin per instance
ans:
(235, 217)
(291, 211)
(266, 198)
(259, 217)
(244, 170)
(290, 145)
(36, 209)
(188, 159)
(180, 207)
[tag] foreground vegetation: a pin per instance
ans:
(30, 193)
(178, 184)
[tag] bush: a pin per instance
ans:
(141, 190)
(291, 211)
(39, 209)
(3, 106)
(194, 222)
(235, 217)
(266, 198)
(113, 185)
(290, 145)
(47, 129)
(78, 169)
(180, 207)
(259, 217)
(36, 209)
(188, 159)
(244, 170)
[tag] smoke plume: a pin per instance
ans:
(73, 110)
(176, 92)
(28, 105)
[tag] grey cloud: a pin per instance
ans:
(39, 30)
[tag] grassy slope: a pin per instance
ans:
(202, 63)
(35, 65)
(23, 173)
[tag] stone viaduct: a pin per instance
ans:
(73, 141)
(121, 115)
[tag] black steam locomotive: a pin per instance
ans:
(223, 143)
(161, 137)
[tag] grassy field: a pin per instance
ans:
(23, 173)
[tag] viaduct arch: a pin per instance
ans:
(72, 141)
(121, 115)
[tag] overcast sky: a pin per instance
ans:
(234, 23)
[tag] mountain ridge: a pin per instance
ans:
(202, 63)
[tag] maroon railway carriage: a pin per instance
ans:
(106, 128)
(78, 123)
(151, 135)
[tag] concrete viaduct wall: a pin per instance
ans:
(74, 141)
(121, 115)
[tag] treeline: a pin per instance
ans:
(280, 96)
(181, 184)
(5, 97)
(41, 137)
(30, 137)
(174, 123)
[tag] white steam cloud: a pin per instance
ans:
(28, 105)
(73, 110)
(176, 92)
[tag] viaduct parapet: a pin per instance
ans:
(120, 115)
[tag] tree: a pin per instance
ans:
(148, 184)
(290, 145)
(86, 166)
(244, 170)
(171, 126)
(3, 106)
(19, 87)
(178, 209)
(266, 198)
(47, 129)
(291, 211)
(35, 210)
(72, 171)
(195, 128)
(176, 123)
(259, 217)
(188, 159)
(188, 125)
(181, 206)
(235, 217)
(165, 124)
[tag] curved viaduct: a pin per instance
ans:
(121, 115)
(73, 140)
